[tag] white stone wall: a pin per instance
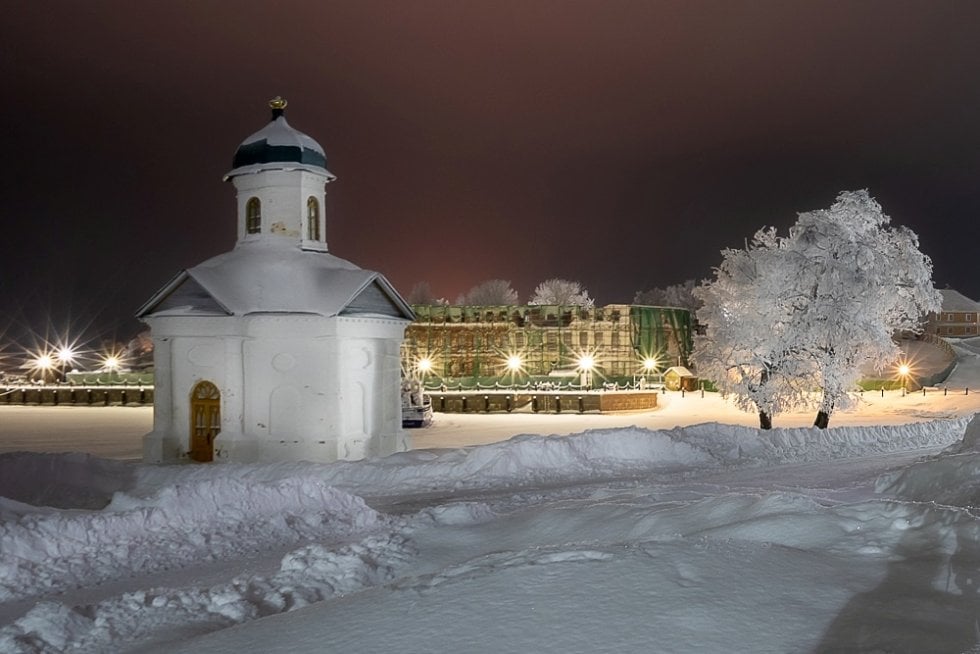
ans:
(283, 195)
(293, 387)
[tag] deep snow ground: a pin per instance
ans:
(706, 538)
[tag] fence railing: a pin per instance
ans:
(76, 395)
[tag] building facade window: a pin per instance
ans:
(312, 219)
(253, 216)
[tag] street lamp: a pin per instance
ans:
(586, 363)
(904, 371)
(111, 364)
(514, 365)
(65, 356)
(42, 362)
(424, 367)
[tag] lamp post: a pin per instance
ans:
(514, 366)
(903, 372)
(586, 363)
(649, 365)
(111, 364)
(65, 357)
(422, 368)
(44, 363)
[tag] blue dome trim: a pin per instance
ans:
(260, 152)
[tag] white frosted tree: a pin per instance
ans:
(676, 295)
(422, 293)
(561, 291)
(862, 281)
(790, 321)
(493, 292)
(748, 347)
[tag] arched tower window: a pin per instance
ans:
(253, 216)
(312, 219)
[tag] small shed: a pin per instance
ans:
(680, 378)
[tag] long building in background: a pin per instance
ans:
(512, 344)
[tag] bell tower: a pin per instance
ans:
(280, 174)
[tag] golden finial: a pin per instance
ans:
(278, 103)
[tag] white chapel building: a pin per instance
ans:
(276, 350)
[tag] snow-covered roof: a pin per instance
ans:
(259, 278)
(956, 301)
(278, 146)
(680, 371)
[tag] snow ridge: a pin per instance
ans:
(530, 460)
(180, 524)
(153, 617)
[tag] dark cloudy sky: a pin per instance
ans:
(619, 143)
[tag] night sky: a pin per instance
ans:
(619, 144)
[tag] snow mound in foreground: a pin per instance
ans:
(180, 524)
(952, 479)
(153, 617)
(530, 460)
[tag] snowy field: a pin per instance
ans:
(711, 537)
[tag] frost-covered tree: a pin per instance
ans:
(493, 292)
(422, 293)
(747, 348)
(791, 315)
(561, 291)
(676, 295)
(860, 280)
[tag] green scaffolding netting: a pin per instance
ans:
(650, 333)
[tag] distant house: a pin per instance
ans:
(957, 319)
(680, 378)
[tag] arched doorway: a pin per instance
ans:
(205, 420)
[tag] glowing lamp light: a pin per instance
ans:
(66, 355)
(111, 363)
(649, 364)
(586, 362)
(425, 365)
(44, 362)
(514, 363)
(904, 370)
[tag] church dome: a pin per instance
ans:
(278, 146)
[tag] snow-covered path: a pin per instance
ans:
(967, 370)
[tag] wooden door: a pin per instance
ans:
(205, 420)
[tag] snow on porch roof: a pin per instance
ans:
(263, 279)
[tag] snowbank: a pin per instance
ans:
(530, 460)
(179, 525)
(163, 517)
(952, 479)
(307, 575)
